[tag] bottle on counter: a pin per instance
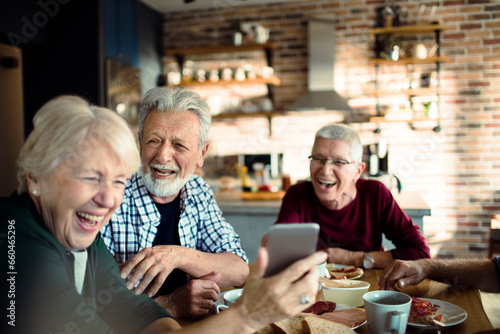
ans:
(285, 182)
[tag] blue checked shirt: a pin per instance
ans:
(201, 226)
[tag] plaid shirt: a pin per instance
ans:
(201, 226)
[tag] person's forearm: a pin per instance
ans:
(163, 325)
(233, 270)
(355, 258)
(231, 320)
(475, 273)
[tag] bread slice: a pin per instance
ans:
(317, 325)
(291, 325)
(265, 330)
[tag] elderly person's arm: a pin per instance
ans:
(198, 296)
(264, 300)
(214, 258)
(480, 274)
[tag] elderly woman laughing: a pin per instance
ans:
(72, 170)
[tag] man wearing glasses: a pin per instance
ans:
(353, 213)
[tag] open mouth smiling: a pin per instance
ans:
(89, 219)
(327, 183)
(163, 172)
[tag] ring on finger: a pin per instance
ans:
(304, 300)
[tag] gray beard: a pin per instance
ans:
(163, 188)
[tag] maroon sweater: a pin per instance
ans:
(360, 225)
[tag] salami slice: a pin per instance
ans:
(320, 307)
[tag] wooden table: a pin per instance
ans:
(467, 298)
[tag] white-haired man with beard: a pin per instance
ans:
(168, 235)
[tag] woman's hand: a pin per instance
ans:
(270, 299)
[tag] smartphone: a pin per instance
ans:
(287, 243)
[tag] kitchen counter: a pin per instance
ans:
(230, 202)
(251, 218)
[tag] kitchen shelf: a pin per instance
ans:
(275, 81)
(410, 92)
(383, 119)
(246, 115)
(180, 55)
(220, 49)
(437, 60)
(408, 61)
(407, 29)
(414, 124)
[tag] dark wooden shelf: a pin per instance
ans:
(407, 30)
(181, 53)
(411, 92)
(408, 61)
(270, 81)
(382, 119)
(220, 49)
(246, 115)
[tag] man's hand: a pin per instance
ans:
(344, 256)
(153, 263)
(403, 273)
(194, 299)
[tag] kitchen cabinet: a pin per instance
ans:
(183, 54)
(121, 37)
(411, 91)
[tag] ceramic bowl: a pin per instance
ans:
(351, 295)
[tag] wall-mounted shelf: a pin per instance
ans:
(246, 115)
(407, 30)
(414, 124)
(383, 119)
(437, 59)
(408, 61)
(275, 81)
(181, 54)
(409, 92)
(220, 49)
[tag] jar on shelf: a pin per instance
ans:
(173, 74)
(187, 71)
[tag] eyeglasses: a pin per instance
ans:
(317, 161)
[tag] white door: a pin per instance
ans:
(11, 116)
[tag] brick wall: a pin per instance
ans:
(456, 171)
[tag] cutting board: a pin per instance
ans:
(262, 196)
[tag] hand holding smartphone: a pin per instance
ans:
(287, 243)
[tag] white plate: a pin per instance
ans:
(330, 266)
(452, 314)
(361, 324)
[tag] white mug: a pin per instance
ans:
(323, 272)
(229, 298)
(420, 51)
(387, 311)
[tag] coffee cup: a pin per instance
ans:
(322, 271)
(387, 311)
(229, 298)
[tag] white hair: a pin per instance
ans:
(176, 100)
(61, 128)
(344, 133)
